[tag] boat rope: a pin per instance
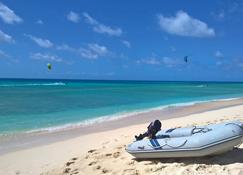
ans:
(166, 144)
(204, 130)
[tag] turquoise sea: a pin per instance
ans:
(32, 105)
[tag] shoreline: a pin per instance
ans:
(120, 116)
(103, 152)
(23, 141)
(112, 117)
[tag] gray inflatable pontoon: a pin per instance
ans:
(190, 142)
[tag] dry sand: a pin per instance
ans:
(104, 153)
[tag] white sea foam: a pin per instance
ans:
(201, 85)
(33, 84)
(122, 115)
(228, 99)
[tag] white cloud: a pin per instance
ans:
(101, 28)
(234, 7)
(151, 61)
(184, 25)
(232, 64)
(8, 15)
(7, 57)
(86, 53)
(46, 57)
(108, 30)
(39, 22)
(172, 62)
(93, 51)
(74, 17)
(100, 50)
(89, 19)
(65, 47)
(126, 43)
(219, 54)
(45, 43)
(221, 15)
(229, 10)
(3, 55)
(165, 61)
(5, 37)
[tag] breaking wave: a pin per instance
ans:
(33, 84)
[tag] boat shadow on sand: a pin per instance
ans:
(234, 156)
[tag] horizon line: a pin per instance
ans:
(137, 80)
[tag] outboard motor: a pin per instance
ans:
(153, 128)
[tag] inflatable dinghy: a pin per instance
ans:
(194, 141)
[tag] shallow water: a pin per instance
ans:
(27, 105)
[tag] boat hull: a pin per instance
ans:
(211, 150)
(220, 139)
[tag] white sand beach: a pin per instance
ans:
(104, 152)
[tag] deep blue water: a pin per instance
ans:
(34, 104)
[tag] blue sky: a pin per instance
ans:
(134, 40)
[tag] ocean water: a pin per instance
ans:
(33, 105)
